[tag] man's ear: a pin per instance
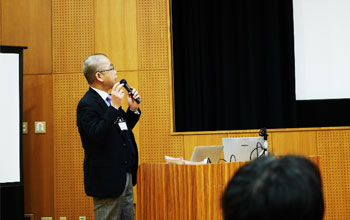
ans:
(99, 76)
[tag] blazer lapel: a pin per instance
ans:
(98, 99)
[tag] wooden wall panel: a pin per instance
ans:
(70, 198)
(334, 148)
(153, 38)
(153, 25)
(38, 148)
(73, 34)
(115, 32)
(302, 143)
(155, 138)
(28, 23)
(73, 40)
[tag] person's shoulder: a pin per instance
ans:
(90, 94)
(88, 97)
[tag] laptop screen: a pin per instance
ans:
(242, 149)
(202, 152)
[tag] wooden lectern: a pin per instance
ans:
(173, 192)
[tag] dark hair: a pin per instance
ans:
(288, 188)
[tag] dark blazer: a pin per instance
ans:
(104, 146)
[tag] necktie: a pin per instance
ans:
(108, 100)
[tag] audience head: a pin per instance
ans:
(288, 188)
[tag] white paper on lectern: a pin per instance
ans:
(180, 160)
(10, 119)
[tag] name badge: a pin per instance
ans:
(123, 126)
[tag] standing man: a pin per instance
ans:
(111, 155)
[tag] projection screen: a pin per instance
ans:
(10, 119)
(322, 49)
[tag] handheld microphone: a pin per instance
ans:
(127, 87)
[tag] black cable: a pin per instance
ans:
(208, 161)
(255, 149)
(232, 155)
(258, 145)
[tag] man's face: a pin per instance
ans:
(107, 72)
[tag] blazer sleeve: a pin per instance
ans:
(132, 118)
(95, 123)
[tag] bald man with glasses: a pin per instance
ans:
(110, 150)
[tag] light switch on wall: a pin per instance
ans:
(40, 127)
(25, 127)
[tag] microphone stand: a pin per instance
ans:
(265, 151)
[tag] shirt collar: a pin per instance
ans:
(103, 94)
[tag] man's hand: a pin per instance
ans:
(131, 102)
(117, 95)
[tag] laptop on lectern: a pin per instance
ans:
(202, 152)
(242, 149)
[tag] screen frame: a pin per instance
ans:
(18, 50)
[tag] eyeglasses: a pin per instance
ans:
(102, 71)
